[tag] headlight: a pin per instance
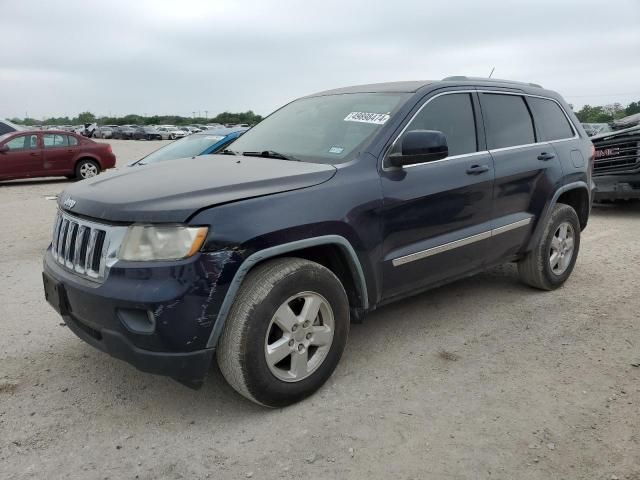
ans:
(170, 242)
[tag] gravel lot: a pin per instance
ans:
(484, 378)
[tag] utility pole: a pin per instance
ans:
(194, 114)
(206, 114)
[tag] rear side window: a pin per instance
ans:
(507, 120)
(73, 141)
(451, 114)
(55, 140)
(550, 119)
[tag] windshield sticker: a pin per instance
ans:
(366, 117)
(336, 150)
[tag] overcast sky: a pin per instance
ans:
(164, 57)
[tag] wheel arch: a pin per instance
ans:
(576, 195)
(322, 250)
(87, 156)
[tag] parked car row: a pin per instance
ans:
(146, 132)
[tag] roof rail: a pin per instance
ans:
(496, 80)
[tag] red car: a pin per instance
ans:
(52, 153)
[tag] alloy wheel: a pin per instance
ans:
(88, 170)
(561, 249)
(299, 336)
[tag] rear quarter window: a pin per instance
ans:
(507, 120)
(551, 120)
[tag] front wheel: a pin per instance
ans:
(87, 169)
(285, 333)
(551, 261)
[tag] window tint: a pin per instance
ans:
(452, 115)
(55, 140)
(507, 119)
(24, 142)
(550, 119)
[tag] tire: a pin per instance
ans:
(284, 285)
(536, 268)
(87, 168)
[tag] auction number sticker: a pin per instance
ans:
(367, 117)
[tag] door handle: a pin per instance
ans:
(477, 169)
(33, 154)
(544, 156)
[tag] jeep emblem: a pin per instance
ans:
(69, 203)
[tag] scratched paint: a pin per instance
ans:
(214, 264)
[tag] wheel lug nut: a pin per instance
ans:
(308, 336)
(291, 342)
(305, 324)
(294, 328)
(300, 347)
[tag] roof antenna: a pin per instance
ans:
(492, 70)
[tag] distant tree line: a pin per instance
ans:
(606, 113)
(132, 119)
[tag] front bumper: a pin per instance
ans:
(158, 319)
(617, 187)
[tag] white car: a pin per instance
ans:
(171, 133)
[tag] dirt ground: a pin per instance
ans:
(481, 379)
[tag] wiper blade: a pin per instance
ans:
(270, 154)
(228, 152)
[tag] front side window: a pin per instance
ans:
(23, 142)
(451, 114)
(550, 118)
(507, 119)
(55, 140)
(324, 129)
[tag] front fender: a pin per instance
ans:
(278, 250)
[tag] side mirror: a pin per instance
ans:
(4, 148)
(419, 146)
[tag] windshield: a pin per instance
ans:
(325, 129)
(186, 147)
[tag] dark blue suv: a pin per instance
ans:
(334, 205)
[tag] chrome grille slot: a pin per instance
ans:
(84, 247)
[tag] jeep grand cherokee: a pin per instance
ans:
(334, 205)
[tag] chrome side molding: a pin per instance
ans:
(445, 247)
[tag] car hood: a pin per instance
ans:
(173, 191)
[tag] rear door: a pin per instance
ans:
(554, 127)
(526, 167)
(59, 153)
(24, 157)
(436, 215)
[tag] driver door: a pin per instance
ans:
(437, 215)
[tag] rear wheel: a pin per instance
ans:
(87, 169)
(551, 261)
(285, 333)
